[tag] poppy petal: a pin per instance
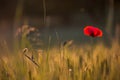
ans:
(92, 31)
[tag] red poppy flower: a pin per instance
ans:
(92, 31)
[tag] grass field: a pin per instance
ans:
(38, 51)
(83, 62)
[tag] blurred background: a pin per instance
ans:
(59, 19)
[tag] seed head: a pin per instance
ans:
(25, 50)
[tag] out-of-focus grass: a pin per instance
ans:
(68, 63)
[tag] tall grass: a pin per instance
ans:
(70, 63)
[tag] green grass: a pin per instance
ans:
(69, 63)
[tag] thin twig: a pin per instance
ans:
(31, 60)
(110, 16)
(44, 9)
